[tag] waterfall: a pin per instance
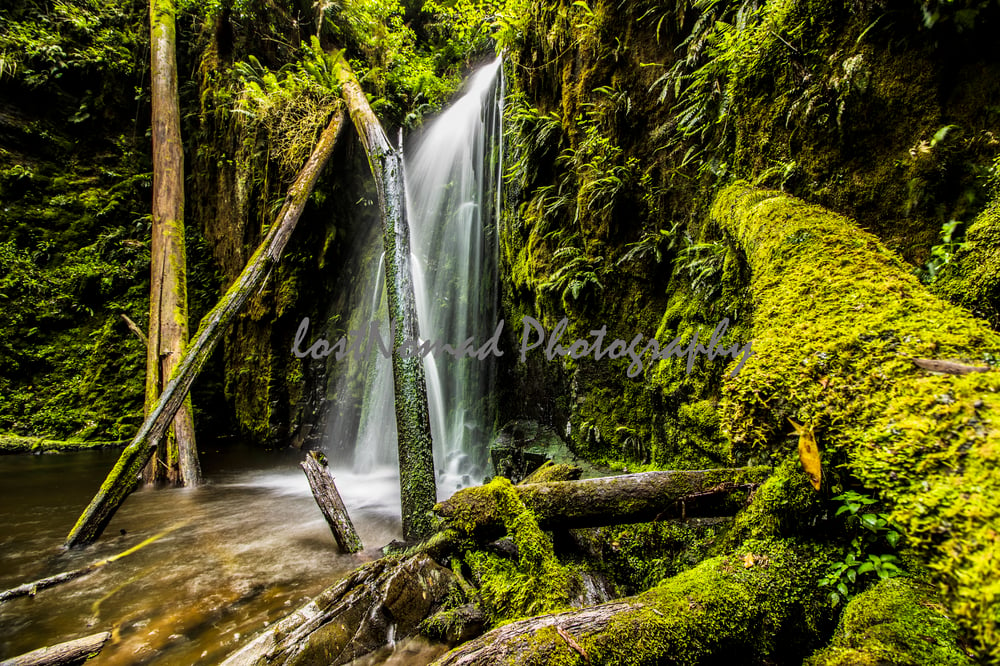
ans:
(453, 190)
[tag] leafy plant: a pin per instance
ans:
(577, 277)
(942, 253)
(871, 552)
(703, 263)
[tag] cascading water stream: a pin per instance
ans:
(452, 183)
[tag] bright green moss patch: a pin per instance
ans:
(894, 622)
(15, 444)
(530, 583)
(837, 322)
(973, 278)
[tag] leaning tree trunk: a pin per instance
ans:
(416, 454)
(123, 478)
(177, 461)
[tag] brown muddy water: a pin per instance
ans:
(244, 549)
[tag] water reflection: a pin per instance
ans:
(249, 546)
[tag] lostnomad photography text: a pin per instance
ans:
(359, 344)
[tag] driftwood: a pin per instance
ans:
(613, 500)
(325, 491)
(32, 588)
(63, 654)
(382, 601)
(123, 478)
(948, 367)
(413, 424)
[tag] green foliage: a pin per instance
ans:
(942, 253)
(702, 264)
(58, 42)
(291, 106)
(577, 277)
(870, 554)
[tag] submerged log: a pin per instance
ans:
(610, 500)
(743, 608)
(63, 654)
(123, 479)
(416, 455)
(32, 588)
(324, 490)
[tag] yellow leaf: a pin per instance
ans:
(809, 454)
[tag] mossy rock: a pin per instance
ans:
(893, 622)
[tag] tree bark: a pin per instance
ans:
(611, 500)
(416, 454)
(63, 654)
(325, 491)
(123, 478)
(177, 462)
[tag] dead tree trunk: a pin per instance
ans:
(612, 500)
(63, 654)
(175, 462)
(416, 455)
(325, 491)
(123, 478)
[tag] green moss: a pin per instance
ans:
(757, 605)
(534, 581)
(783, 506)
(973, 278)
(894, 622)
(837, 322)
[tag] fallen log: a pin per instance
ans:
(123, 478)
(750, 607)
(63, 654)
(838, 320)
(610, 500)
(413, 424)
(324, 490)
(32, 588)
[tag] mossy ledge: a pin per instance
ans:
(838, 320)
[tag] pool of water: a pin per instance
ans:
(240, 551)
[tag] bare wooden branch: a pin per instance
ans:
(63, 654)
(132, 326)
(123, 478)
(325, 491)
(948, 367)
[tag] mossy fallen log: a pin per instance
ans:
(609, 500)
(64, 654)
(413, 423)
(123, 478)
(757, 605)
(838, 320)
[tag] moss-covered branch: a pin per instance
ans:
(123, 478)
(838, 320)
(610, 500)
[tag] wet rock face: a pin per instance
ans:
(521, 447)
